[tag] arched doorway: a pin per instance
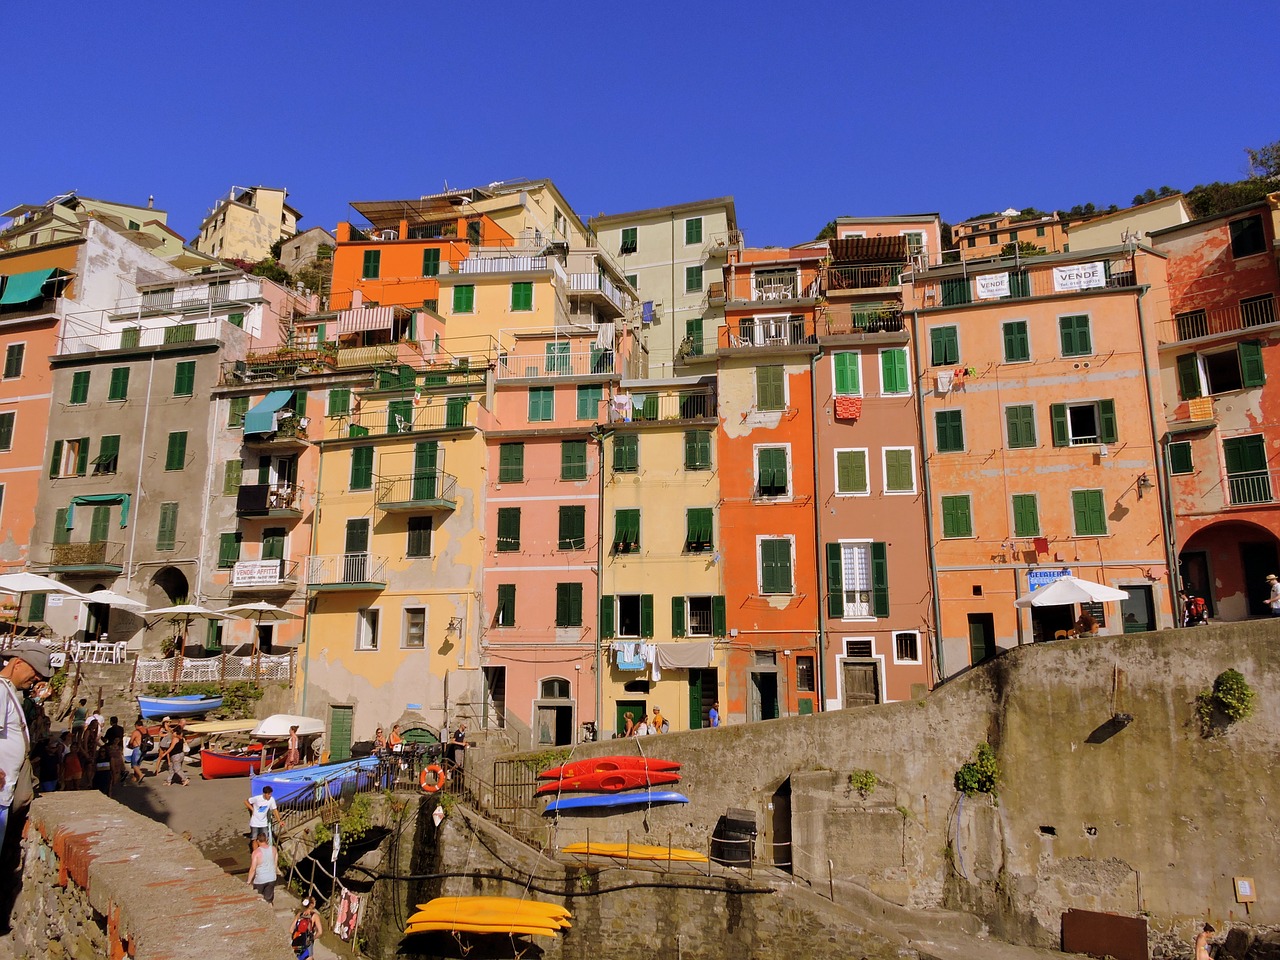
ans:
(169, 587)
(1227, 563)
(553, 713)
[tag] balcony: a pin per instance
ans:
(865, 319)
(100, 557)
(1219, 321)
(715, 294)
(283, 500)
(347, 571)
(509, 263)
(863, 277)
(290, 433)
(264, 576)
(422, 492)
(769, 332)
(642, 407)
(1010, 281)
(193, 298)
(602, 290)
(436, 413)
(553, 362)
(141, 338)
(286, 364)
(1250, 489)
(770, 287)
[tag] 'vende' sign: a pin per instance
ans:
(1080, 276)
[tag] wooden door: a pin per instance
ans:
(860, 683)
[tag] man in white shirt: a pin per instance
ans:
(28, 666)
(261, 808)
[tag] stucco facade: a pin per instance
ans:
(246, 223)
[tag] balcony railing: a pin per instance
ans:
(1210, 322)
(420, 491)
(510, 263)
(280, 364)
(265, 575)
(269, 499)
(580, 283)
(1020, 283)
(102, 554)
(583, 363)
(1246, 489)
(640, 407)
(863, 319)
(288, 429)
(438, 413)
(191, 298)
(346, 570)
(769, 332)
(863, 277)
(138, 337)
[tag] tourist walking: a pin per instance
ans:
(178, 757)
(262, 869)
(628, 723)
(28, 665)
(306, 927)
(262, 808)
(1273, 600)
(79, 715)
(136, 773)
(293, 756)
(163, 745)
(714, 715)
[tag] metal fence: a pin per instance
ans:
(340, 568)
(214, 669)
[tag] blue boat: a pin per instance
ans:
(643, 798)
(188, 705)
(318, 782)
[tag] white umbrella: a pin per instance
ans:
(23, 583)
(184, 613)
(113, 599)
(1067, 590)
(261, 611)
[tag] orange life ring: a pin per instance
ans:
(436, 784)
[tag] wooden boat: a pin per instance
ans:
(193, 705)
(317, 782)
(607, 765)
(215, 765)
(634, 851)
(610, 781)
(277, 726)
(209, 728)
(643, 798)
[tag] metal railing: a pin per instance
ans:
(189, 298)
(214, 669)
(1022, 282)
(864, 277)
(1246, 489)
(346, 568)
(1193, 324)
(139, 337)
(595, 283)
(416, 488)
(641, 407)
(261, 498)
(279, 364)
(102, 553)
(522, 366)
(436, 413)
(863, 319)
(769, 332)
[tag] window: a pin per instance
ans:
(1074, 332)
(362, 468)
(228, 550)
(100, 524)
(399, 416)
(634, 280)
(697, 450)
(692, 231)
(70, 458)
(806, 676)
(894, 378)
(626, 531)
(944, 346)
(1221, 371)
(237, 408)
(415, 628)
(697, 527)
(899, 470)
(474, 234)
(848, 373)
(1246, 462)
(626, 453)
(1017, 346)
(431, 262)
(771, 388)
(521, 296)
(568, 604)
(508, 529)
(1180, 457)
(957, 520)
(464, 298)
(372, 264)
(697, 616)
(851, 472)
(775, 565)
(236, 320)
(573, 460)
(167, 531)
(13, 355)
(418, 540)
(1090, 513)
(558, 357)
(504, 615)
(339, 402)
(184, 378)
(1040, 231)
(7, 420)
(906, 647)
(119, 388)
(971, 241)
(231, 473)
(589, 397)
(773, 475)
(175, 457)
(949, 430)
(35, 612)
(573, 528)
(628, 244)
(1247, 237)
(541, 404)
(511, 463)
(1026, 515)
(693, 279)
(80, 387)
(367, 627)
(1076, 424)
(635, 614)
(1020, 425)
(108, 458)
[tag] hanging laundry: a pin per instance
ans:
(604, 336)
(646, 312)
(1041, 544)
(945, 378)
(848, 408)
(629, 656)
(620, 407)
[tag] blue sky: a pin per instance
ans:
(801, 111)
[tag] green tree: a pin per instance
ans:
(1265, 161)
(1025, 248)
(828, 232)
(271, 270)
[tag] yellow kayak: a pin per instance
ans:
(436, 926)
(472, 905)
(489, 917)
(635, 851)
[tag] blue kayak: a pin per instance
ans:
(318, 782)
(643, 798)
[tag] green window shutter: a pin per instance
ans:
(1088, 511)
(541, 404)
(108, 454)
(955, 291)
(589, 396)
(1180, 457)
(573, 460)
(231, 477)
(1021, 423)
(418, 537)
(770, 388)
(1189, 376)
(60, 532)
(893, 371)
(431, 262)
(13, 355)
(775, 566)
(119, 389)
(718, 618)
(626, 530)
(426, 478)
(575, 604)
(35, 610)
(131, 337)
(949, 430)
(646, 615)
(677, 616)
(237, 320)
(956, 518)
(455, 411)
(690, 450)
(228, 550)
(167, 533)
(1058, 421)
(562, 604)
(511, 463)
(1252, 372)
(522, 296)
(1026, 515)
(1075, 336)
(264, 469)
(464, 298)
(692, 279)
(698, 529)
(176, 455)
(851, 471)
(1017, 346)
(693, 231)
(55, 460)
(237, 408)
(1107, 427)
(847, 374)
(399, 416)
(506, 613)
(6, 429)
(508, 529)
(694, 334)
(184, 379)
(1019, 283)
(362, 468)
(573, 524)
(628, 244)
(771, 463)
(606, 617)
(900, 470)
(835, 581)
(80, 387)
(626, 453)
(944, 346)
(372, 264)
(879, 579)
(82, 455)
(339, 402)
(100, 525)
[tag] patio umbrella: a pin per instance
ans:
(113, 599)
(183, 614)
(260, 612)
(20, 584)
(1068, 590)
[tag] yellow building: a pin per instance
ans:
(245, 223)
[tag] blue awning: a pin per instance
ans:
(25, 287)
(262, 417)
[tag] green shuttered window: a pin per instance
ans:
(511, 463)
(464, 298)
(231, 474)
(771, 391)
(944, 344)
(362, 468)
(1074, 333)
(175, 457)
(573, 460)
(1020, 421)
(508, 529)
(773, 477)
(693, 231)
(505, 614)
(697, 450)
(237, 408)
(167, 532)
(775, 566)
(900, 470)
(80, 387)
(184, 378)
(1017, 345)
(848, 381)
(626, 453)
(521, 296)
(431, 262)
(1089, 511)
(1026, 515)
(119, 387)
(339, 402)
(851, 471)
(228, 550)
(1180, 457)
(698, 522)
(568, 604)
(541, 404)
(626, 531)
(893, 372)
(589, 397)
(372, 264)
(949, 427)
(573, 528)
(957, 521)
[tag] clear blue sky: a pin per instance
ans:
(801, 111)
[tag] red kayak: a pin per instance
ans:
(608, 765)
(609, 781)
(215, 765)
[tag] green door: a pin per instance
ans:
(702, 693)
(425, 477)
(634, 707)
(340, 733)
(982, 637)
(455, 411)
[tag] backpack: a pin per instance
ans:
(666, 727)
(148, 743)
(1197, 609)
(303, 934)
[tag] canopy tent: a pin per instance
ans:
(1068, 590)
(24, 287)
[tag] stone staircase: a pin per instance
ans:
(105, 682)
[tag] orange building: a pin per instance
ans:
(984, 237)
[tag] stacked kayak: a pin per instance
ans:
(318, 782)
(489, 915)
(634, 851)
(616, 782)
(609, 781)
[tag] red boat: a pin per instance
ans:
(215, 765)
(608, 765)
(609, 781)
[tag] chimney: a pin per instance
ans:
(151, 202)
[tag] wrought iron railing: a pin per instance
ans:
(555, 363)
(642, 406)
(346, 568)
(864, 276)
(416, 488)
(766, 332)
(1208, 322)
(1246, 489)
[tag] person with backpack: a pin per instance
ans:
(306, 927)
(1195, 611)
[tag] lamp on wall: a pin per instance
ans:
(1144, 484)
(454, 629)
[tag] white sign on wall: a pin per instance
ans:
(992, 286)
(1080, 276)
(255, 573)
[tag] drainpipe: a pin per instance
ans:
(306, 603)
(939, 659)
(1162, 465)
(142, 452)
(817, 526)
(598, 435)
(672, 318)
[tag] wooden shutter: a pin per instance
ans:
(718, 618)
(167, 534)
(60, 532)
(851, 471)
(846, 373)
(770, 393)
(944, 346)
(119, 389)
(1252, 372)
(431, 262)
(1016, 345)
(606, 617)
(184, 378)
(646, 615)
(100, 524)
(893, 368)
(1107, 429)
(1087, 509)
(511, 463)
(339, 402)
(228, 549)
(1026, 519)
(1189, 376)
(508, 529)
(1058, 422)
(80, 387)
(264, 469)
(82, 454)
(880, 579)
(1180, 457)
(357, 535)
(176, 456)
(425, 478)
(361, 468)
(506, 604)
(231, 477)
(677, 616)
(55, 461)
(835, 581)
(522, 296)
(562, 604)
